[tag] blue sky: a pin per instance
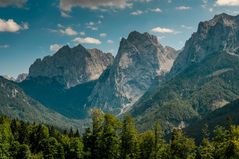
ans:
(31, 29)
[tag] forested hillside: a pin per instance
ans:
(110, 138)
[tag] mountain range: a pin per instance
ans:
(146, 79)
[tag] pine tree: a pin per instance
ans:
(110, 141)
(147, 140)
(129, 139)
(160, 148)
(76, 148)
(88, 142)
(24, 152)
(206, 149)
(181, 146)
(97, 122)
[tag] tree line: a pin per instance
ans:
(111, 138)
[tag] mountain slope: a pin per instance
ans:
(213, 36)
(140, 62)
(72, 66)
(216, 118)
(16, 104)
(200, 81)
(69, 102)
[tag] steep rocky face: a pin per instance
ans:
(213, 36)
(72, 66)
(139, 62)
(206, 77)
(21, 77)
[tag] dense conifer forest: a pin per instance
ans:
(111, 138)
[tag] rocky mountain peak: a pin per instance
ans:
(21, 77)
(135, 37)
(140, 61)
(216, 35)
(72, 66)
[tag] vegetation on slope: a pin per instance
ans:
(110, 138)
(16, 104)
(192, 94)
(69, 102)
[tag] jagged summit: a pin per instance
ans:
(139, 62)
(135, 36)
(72, 66)
(218, 34)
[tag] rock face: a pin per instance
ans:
(21, 77)
(219, 34)
(204, 77)
(72, 66)
(141, 59)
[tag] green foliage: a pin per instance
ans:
(109, 138)
(129, 139)
(181, 146)
(192, 94)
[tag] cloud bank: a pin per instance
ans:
(227, 2)
(16, 3)
(11, 26)
(67, 5)
(87, 40)
(55, 47)
(162, 30)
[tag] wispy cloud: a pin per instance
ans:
(11, 26)
(103, 35)
(87, 40)
(110, 41)
(4, 46)
(55, 47)
(157, 10)
(183, 8)
(15, 3)
(186, 27)
(82, 33)
(163, 30)
(137, 12)
(92, 26)
(68, 31)
(227, 2)
(67, 5)
(65, 15)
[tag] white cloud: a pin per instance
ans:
(186, 27)
(183, 8)
(157, 10)
(16, 3)
(11, 26)
(103, 35)
(68, 31)
(87, 40)
(227, 2)
(162, 30)
(92, 26)
(65, 15)
(101, 16)
(137, 12)
(82, 33)
(110, 41)
(55, 47)
(67, 5)
(4, 46)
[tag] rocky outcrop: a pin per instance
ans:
(72, 66)
(213, 36)
(140, 61)
(21, 77)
